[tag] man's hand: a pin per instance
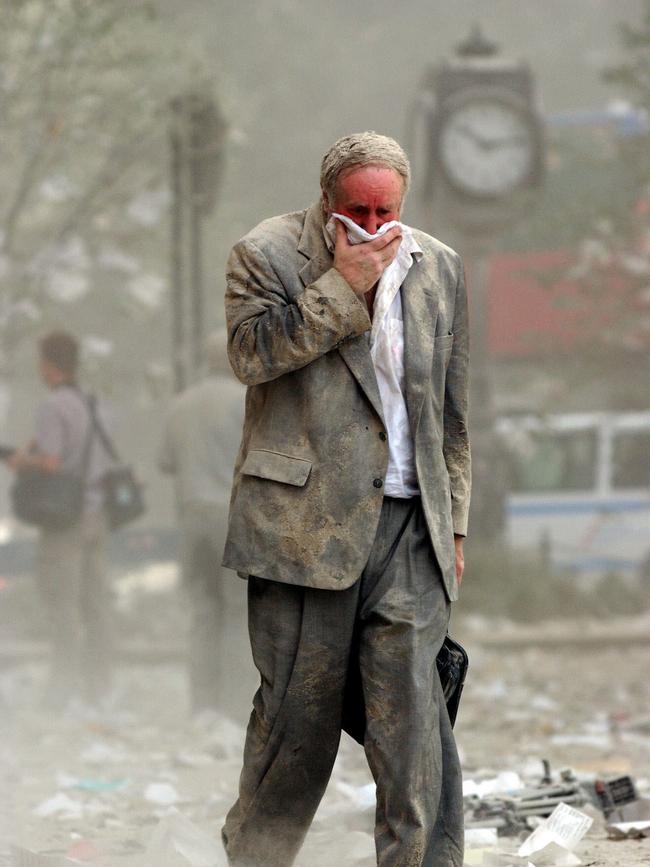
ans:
(460, 557)
(18, 460)
(23, 459)
(361, 265)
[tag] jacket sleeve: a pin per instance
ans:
(270, 334)
(456, 438)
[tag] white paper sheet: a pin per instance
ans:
(565, 827)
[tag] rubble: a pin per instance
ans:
(504, 802)
(89, 775)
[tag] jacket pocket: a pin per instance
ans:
(443, 341)
(276, 467)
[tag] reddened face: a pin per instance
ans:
(369, 195)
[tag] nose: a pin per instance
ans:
(371, 224)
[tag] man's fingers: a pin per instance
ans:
(392, 235)
(393, 247)
(341, 234)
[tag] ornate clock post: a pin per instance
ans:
(484, 143)
(484, 162)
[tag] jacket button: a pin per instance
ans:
(382, 436)
(378, 483)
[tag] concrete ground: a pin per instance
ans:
(95, 787)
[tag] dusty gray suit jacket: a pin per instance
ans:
(307, 490)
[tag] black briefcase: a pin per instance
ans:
(452, 663)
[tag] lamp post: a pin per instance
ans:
(197, 133)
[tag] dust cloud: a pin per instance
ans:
(140, 141)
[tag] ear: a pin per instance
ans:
(327, 205)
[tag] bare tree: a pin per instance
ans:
(84, 87)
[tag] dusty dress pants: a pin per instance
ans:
(73, 585)
(388, 627)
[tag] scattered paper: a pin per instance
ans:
(163, 794)
(507, 781)
(60, 805)
(556, 837)
(631, 830)
(177, 842)
(480, 837)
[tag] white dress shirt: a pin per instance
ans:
(387, 352)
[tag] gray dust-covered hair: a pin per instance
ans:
(362, 149)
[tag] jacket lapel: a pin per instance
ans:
(420, 311)
(354, 351)
(356, 354)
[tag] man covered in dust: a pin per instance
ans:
(198, 448)
(349, 507)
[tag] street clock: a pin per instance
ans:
(483, 137)
(488, 144)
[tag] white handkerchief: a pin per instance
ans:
(394, 275)
(357, 235)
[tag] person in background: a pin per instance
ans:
(71, 570)
(200, 440)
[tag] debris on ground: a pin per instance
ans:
(145, 784)
(505, 803)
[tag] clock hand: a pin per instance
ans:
(513, 140)
(489, 144)
(469, 133)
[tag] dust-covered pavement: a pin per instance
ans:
(96, 786)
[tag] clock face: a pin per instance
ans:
(486, 147)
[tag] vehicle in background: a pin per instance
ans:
(579, 490)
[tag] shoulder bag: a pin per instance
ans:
(123, 495)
